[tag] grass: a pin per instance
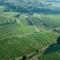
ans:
(22, 38)
(17, 46)
(52, 20)
(2, 9)
(53, 54)
(4, 17)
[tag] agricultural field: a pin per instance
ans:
(51, 53)
(2, 9)
(22, 34)
(28, 34)
(52, 18)
(15, 46)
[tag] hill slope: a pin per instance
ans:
(19, 34)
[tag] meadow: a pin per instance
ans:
(22, 33)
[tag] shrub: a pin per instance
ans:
(58, 40)
(24, 57)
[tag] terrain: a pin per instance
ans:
(22, 33)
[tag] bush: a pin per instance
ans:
(24, 57)
(58, 40)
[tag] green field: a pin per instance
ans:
(26, 33)
(53, 53)
(52, 18)
(2, 9)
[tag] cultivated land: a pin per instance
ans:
(22, 33)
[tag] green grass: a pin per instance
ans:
(2, 9)
(15, 29)
(17, 46)
(22, 38)
(52, 20)
(32, 20)
(52, 55)
(4, 17)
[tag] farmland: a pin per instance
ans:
(24, 33)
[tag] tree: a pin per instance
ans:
(13, 58)
(17, 15)
(24, 57)
(37, 51)
(58, 40)
(54, 29)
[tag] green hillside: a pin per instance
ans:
(53, 53)
(18, 45)
(21, 33)
(29, 29)
(52, 18)
(2, 9)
